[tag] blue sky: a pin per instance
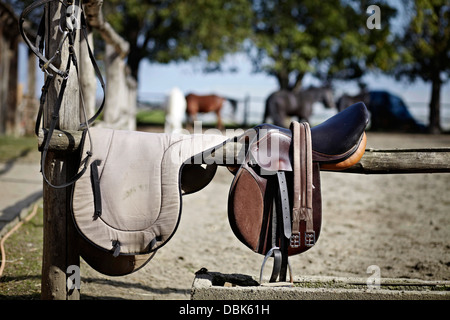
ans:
(157, 78)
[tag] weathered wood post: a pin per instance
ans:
(59, 250)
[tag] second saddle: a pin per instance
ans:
(127, 204)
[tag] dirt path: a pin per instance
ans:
(401, 223)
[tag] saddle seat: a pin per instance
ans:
(337, 143)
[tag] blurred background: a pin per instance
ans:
(395, 56)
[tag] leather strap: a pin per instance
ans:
(281, 230)
(277, 260)
(284, 203)
(302, 184)
(310, 238)
(275, 252)
(285, 231)
(69, 32)
(296, 153)
(95, 181)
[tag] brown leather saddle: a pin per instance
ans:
(274, 204)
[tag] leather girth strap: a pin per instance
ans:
(286, 227)
(302, 184)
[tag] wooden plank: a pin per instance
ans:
(374, 161)
(62, 140)
(429, 160)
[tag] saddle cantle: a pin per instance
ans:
(127, 205)
(274, 203)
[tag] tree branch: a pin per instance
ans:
(94, 16)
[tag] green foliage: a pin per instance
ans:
(425, 45)
(425, 51)
(284, 38)
(14, 148)
(327, 38)
(359, 49)
(287, 38)
(152, 117)
(164, 31)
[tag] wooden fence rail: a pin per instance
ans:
(374, 161)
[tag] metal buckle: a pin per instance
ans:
(310, 238)
(295, 240)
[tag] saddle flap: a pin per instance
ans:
(250, 210)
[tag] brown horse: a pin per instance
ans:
(204, 104)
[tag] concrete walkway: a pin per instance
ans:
(20, 187)
(217, 286)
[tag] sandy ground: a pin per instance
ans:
(400, 223)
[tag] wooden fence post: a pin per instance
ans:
(60, 238)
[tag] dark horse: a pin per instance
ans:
(208, 103)
(347, 100)
(283, 103)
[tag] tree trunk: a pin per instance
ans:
(283, 79)
(298, 82)
(4, 81)
(134, 60)
(88, 78)
(13, 118)
(132, 87)
(116, 113)
(8, 79)
(435, 105)
(31, 103)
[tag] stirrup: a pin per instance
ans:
(276, 252)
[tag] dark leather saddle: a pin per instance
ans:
(274, 204)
